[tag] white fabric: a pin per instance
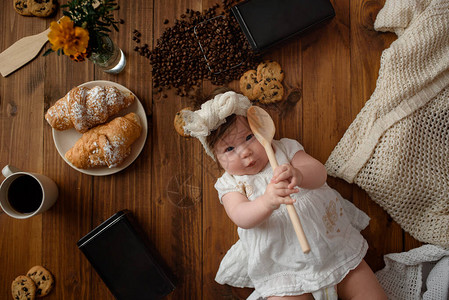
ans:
(438, 281)
(269, 258)
(421, 273)
(327, 293)
(397, 147)
(212, 114)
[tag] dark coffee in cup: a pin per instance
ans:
(25, 194)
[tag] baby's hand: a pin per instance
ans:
(277, 194)
(289, 173)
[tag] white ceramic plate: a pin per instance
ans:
(64, 140)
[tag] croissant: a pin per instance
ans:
(106, 145)
(84, 108)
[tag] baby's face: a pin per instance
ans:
(239, 152)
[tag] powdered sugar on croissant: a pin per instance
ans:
(84, 108)
(106, 145)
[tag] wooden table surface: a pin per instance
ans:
(329, 74)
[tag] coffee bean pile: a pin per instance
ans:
(178, 61)
(218, 38)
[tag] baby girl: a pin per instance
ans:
(268, 256)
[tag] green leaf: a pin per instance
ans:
(48, 52)
(101, 28)
(102, 23)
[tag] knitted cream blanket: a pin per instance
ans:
(421, 273)
(397, 148)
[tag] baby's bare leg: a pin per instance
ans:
(300, 297)
(361, 283)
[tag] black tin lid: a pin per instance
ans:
(267, 22)
(124, 259)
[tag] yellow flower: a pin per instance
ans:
(79, 56)
(72, 39)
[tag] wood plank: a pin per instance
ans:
(21, 109)
(176, 179)
(326, 82)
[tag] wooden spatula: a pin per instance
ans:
(22, 52)
(263, 128)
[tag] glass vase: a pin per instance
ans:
(109, 57)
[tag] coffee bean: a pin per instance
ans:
(178, 61)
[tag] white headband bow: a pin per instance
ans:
(212, 114)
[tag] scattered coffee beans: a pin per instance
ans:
(179, 62)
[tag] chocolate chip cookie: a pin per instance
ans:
(43, 279)
(179, 123)
(271, 90)
(42, 8)
(248, 81)
(22, 7)
(23, 288)
(269, 69)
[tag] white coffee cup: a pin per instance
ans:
(24, 194)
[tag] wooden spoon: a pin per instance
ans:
(263, 128)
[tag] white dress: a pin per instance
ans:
(269, 258)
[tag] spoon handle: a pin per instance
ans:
(298, 228)
(294, 218)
